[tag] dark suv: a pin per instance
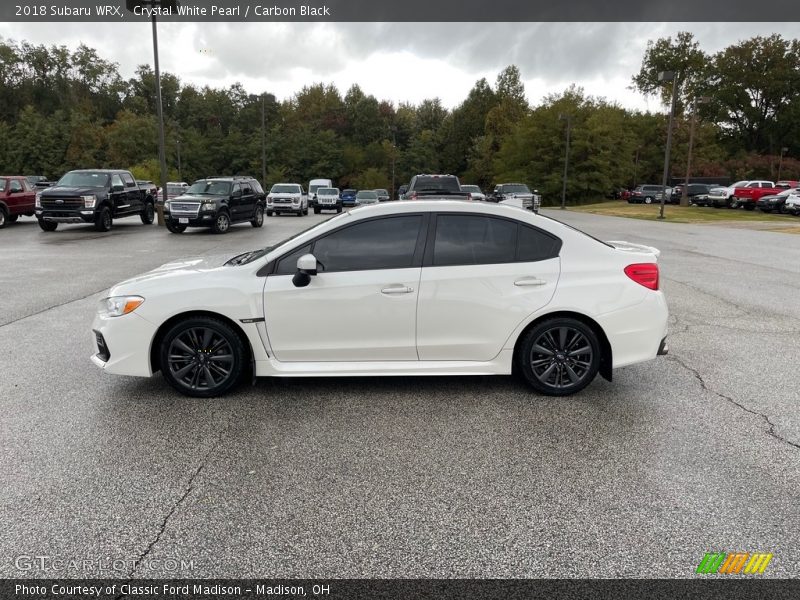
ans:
(217, 203)
(93, 196)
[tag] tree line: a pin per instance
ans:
(63, 109)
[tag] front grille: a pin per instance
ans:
(184, 209)
(51, 203)
(281, 200)
(103, 352)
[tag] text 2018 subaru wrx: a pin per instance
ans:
(443, 288)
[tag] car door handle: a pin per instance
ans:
(529, 281)
(397, 289)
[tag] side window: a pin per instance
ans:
(534, 244)
(236, 189)
(26, 185)
(753, 185)
(766, 184)
(129, 182)
(474, 240)
(379, 244)
(257, 187)
(246, 191)
(15, 186)
(116, 180)
(288, 264)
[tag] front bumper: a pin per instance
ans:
(58, 216)
(278, 208)
(329, 206)
(127, 342)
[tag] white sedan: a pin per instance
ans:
(411, 288)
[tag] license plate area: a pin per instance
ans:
(183, 220)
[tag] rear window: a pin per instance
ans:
(516, 188)
(436, 184)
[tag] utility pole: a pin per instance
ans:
(263, 141)
(636, 166)
(162, 155)
(668, 76)
(394, 157)
(178, 147)
(685, 192)
(784, 150)
(568, 119)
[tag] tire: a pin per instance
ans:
(300, 213)
(733, 203)
(269, 213)
(148, 214)
(258, 217)
(305, 211)
(317, 210)
(47, 225)
(175, 227)
(648, 200)
(3, 217)
(547, 355)
(750, 207)
(222, 222)
(765, 210)
(338, 209)
(12, 218)
(202, 357)
(103, 221)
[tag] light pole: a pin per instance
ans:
(784, 150)
(394, 157)
(668, 76)
(162, 154)
(636, 166)
(568, 119)
(178, 148)
(263, 140)
(685, 192)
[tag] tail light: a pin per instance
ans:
(645, 274)
(412, 196)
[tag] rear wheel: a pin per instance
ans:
(559, 356)
(305, 210)
(258, 217)
(148, 214)
(12, 218)
(222, 223)
(269, 213)
(102, 222)
(202, 357)
(749, 207)
(3, 217)
(317, 210)
(47, 225)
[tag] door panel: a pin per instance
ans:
(346, 316)
(467, 312)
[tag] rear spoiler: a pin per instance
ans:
(631, 247)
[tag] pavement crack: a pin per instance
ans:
(770, 431)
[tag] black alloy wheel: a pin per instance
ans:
(559, 357)
(148, 214)
(202, 357)
(102, 221)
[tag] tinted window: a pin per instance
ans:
(435, 184)
(129, 182)
(534, 244)
(116, 180)
(288, 264)
(380, 244)
(474, 240)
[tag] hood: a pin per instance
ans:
(192, 197)
(635, 248)
(186, 267)
(70, 191)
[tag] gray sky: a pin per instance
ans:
(393, 61)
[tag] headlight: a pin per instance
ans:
(295, 200)
(119, 305)
(89, 201)
(269, 199)
(167, 205)
(38, 199)
(208, 206)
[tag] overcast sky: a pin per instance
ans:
(394, 61)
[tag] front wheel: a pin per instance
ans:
(102, 221)
(175, 227)
(148, 214)
(221, 223)
(648, 200)
(202, 357)
(749, 207)
(258, 217)
(47, 225)
(269, 213)
(317, 210)
(559, 357)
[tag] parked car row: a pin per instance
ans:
(448, 187)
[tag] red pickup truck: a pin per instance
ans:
(747, 196)
(17, 197)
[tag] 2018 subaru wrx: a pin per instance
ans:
(444, 288)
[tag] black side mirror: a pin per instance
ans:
(117, 188)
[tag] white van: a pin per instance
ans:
(313, 186)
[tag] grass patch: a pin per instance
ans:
(682, 214)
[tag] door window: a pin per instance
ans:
(116, 180)
(474, 240)
(129, 182)
(15, 186)
(387, 243)
(288, 264)
(534, 244)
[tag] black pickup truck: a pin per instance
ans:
(435, 187)
(95, 196)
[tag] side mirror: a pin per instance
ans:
(306, 267)
(117, 188)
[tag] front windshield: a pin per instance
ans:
(516, 188)
(285, 189)
(209, 187)
(740, 183)
(327, 192)
(175, 189)
(471, 188)
(84, 179)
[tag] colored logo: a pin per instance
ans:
(734, 562)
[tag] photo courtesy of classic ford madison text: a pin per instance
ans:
(395, 301)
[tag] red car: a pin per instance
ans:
(748, 196)
(17, 197)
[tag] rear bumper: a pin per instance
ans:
(637, 333)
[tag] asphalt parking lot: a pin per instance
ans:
(402, 477)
